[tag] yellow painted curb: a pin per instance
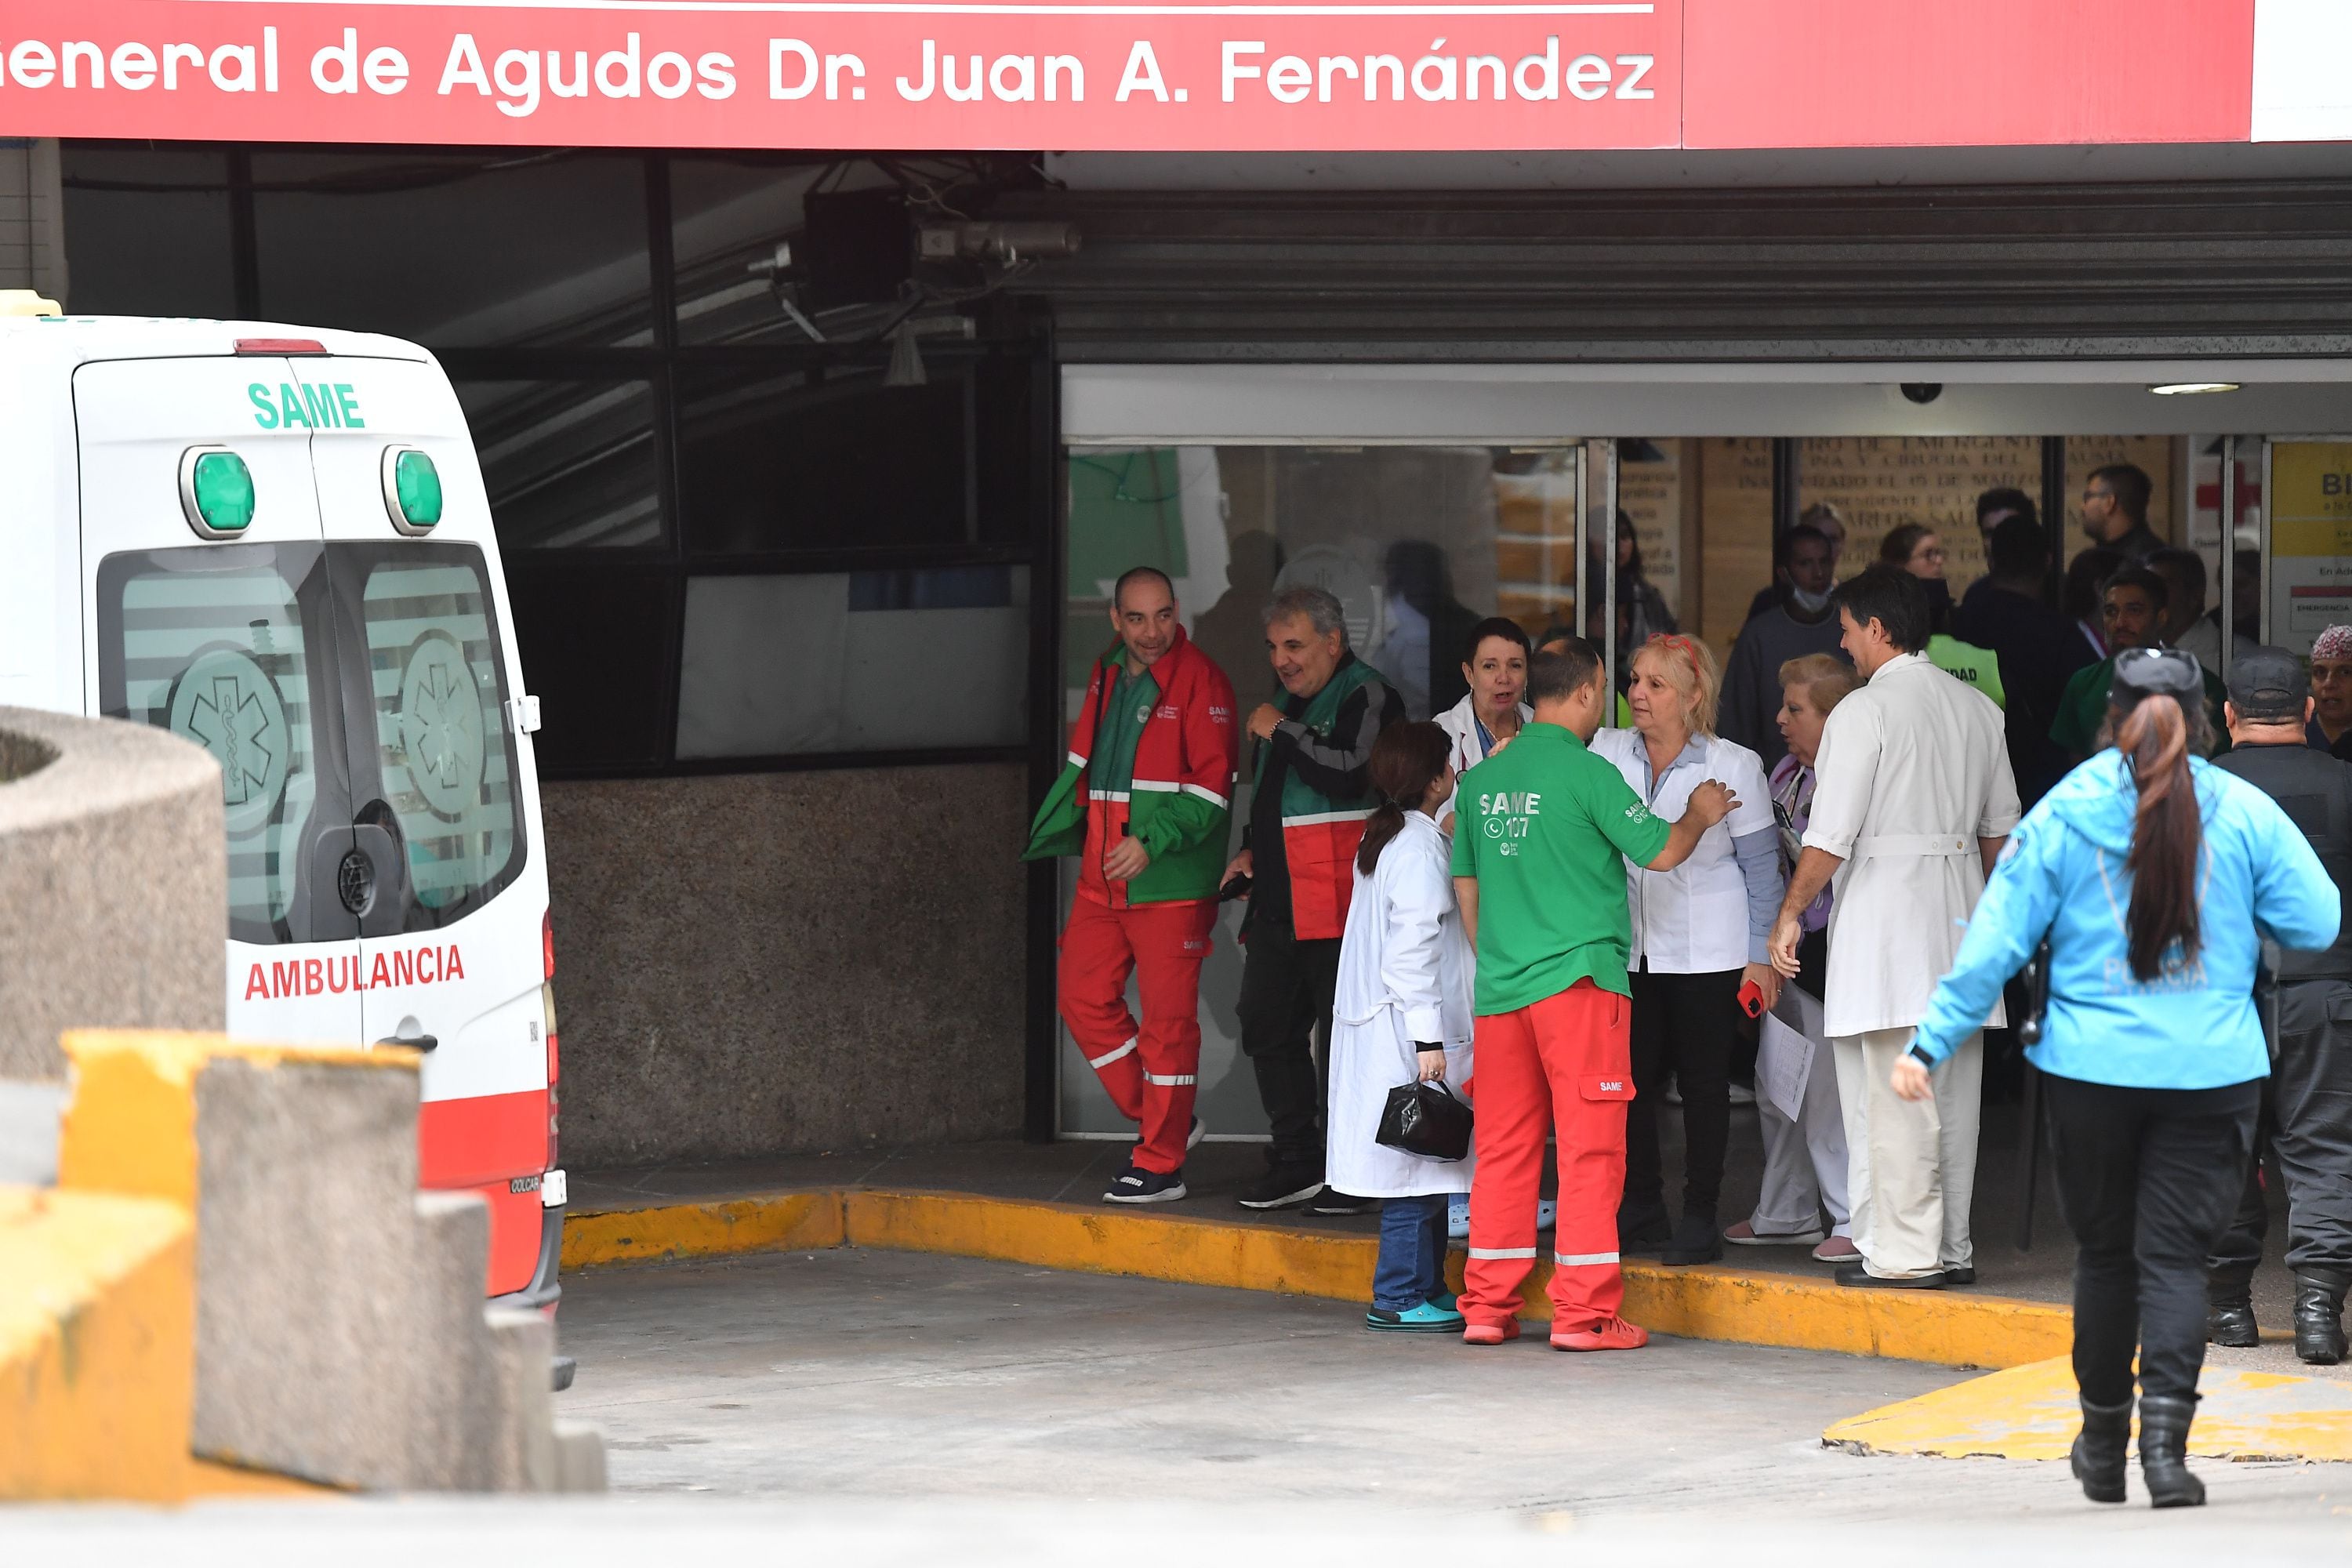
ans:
(2031, 1413)
(209, 1478)
(782, 1222)
(98, 1323)
(1710, 1303)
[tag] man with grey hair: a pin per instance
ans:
(1307, 807)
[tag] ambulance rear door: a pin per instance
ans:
(442, 791)
(205, 568)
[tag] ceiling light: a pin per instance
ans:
(2187, 388)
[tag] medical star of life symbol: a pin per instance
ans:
(228, 704)
(234, 726)
(442, 715)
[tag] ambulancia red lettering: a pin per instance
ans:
(256, 983)
(425, 957)
(404, 969)
(314, 978)
(286, 979)
(452, 967)
(381, 976)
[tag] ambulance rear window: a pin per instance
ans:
(216, 644)
(447, 760)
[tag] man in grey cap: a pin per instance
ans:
(2308, 1101)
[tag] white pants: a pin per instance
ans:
(1913, 1163)
(1805, 1162)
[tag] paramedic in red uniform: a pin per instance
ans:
(1538, 831)
(1146, 804)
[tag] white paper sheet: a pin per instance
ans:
(1784, 1049)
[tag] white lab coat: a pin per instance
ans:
(1911, 772)
(1405, 973)
(1461, 723)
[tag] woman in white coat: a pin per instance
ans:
(1496, 666)
(1401, 1011)
(1699, 939)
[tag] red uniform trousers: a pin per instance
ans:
(1568, 1058)
(1149, 1071)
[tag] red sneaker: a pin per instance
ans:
(1491, 1333)
(1608, 1334)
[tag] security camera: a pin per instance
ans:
(1923, 392)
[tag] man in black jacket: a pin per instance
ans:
(2310, 1022)
(1312, 792)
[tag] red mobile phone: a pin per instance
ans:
(1751, 999)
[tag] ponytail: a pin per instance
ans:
(2166, 834)
(1406, 760)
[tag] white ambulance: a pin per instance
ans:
(275, 541)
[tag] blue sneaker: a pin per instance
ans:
(1428, 1317)
(1446, 1301)
(1136, 1186)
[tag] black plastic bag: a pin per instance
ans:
(1424, 1119)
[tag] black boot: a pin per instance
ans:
(2319, 1315)
(2230, 1318)
(2098, 1454)
(2164, 1451)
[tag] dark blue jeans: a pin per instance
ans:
(1412, 1267)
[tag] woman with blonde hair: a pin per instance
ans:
(1699, 934)
(1805, 1156)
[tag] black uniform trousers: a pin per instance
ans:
(1287, 989)
(1685, 1027)
(2145, 1178)
(2307, 1119)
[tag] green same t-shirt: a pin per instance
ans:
(1546, 827)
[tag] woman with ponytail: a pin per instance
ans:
(2154, 879)
(1401, 1011)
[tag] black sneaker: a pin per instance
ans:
(1283, 1186)
(1334, 1201)
(1642, 1230)
(1696, 1240)
(1136, 1186)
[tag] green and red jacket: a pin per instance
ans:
(1316, 774)
(1180, 802)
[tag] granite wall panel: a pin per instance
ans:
(779, 963)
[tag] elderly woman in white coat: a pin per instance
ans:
(1401, 1012)
(1701, 935)
(1495, 664)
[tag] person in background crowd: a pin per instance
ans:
(1307, 810)
(1824, 519)
(1146, 803)
(2080, 597)
(2151, 874)
(2308, 1100)
(1915, 797)
(1427, 624)
(2115, 511)
(1401, 1011)
(1539, 873)
(1995, 507)
(2330, 729)
(1919, 549)
(1804, 624)
(1805, 1160)
(2186, 625)
(1495, 667)
(2133, 604)
(2037, 646)
(1699, 931)
(1641, 612)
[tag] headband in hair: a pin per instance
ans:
(2154, 672)
(2335, 642)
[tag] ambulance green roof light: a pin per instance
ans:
(412, 490)
(216, 491)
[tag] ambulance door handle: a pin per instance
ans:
(413, 1042)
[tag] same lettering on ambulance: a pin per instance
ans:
(1507, 817)
(323, 407)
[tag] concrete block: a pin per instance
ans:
(523, 1344)
(97, 1331)
(579, 1458)
(113, 884)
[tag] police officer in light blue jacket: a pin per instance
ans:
(2154, 877)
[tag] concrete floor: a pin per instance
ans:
(901, 1378)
